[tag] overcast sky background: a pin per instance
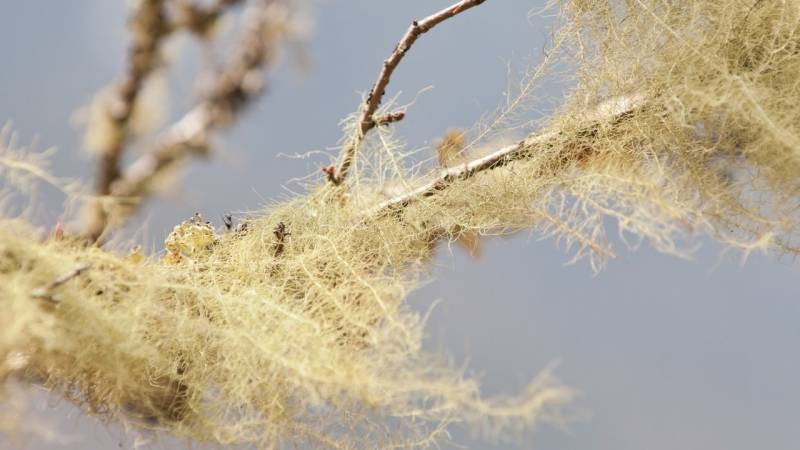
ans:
(668, 354)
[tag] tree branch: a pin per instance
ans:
(234, 88)
(149, 26)
(610, 112)
(366, 121)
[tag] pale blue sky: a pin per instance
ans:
(669, 354)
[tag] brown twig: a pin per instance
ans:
(234, 88)
(45, 292)
(366, 120)
(149, 26)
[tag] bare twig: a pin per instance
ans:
(45, 292)
(366, 120)
(234, 88)
(610, 112)
(149, 26)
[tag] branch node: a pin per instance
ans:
(388, 118)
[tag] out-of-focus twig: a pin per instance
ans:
(280, 238)
(148, 27)
(366, 120)
(234, 87)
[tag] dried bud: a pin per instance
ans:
(58, 232)
(449, 150)
(330, 171)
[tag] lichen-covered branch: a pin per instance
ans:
(608, 113)
(366, 120)
(295, 330)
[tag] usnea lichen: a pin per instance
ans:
(294, 329)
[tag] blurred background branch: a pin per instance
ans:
(235, 86)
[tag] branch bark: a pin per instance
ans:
(366, 120)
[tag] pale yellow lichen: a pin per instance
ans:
(314, 343)
(191, 239)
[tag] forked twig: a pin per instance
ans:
(366, 120)
(150, 27)
(234, 88)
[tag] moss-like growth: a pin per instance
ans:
(294, 329)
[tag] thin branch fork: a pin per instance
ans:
(234, 88)
(366, 120)
(150, 26)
